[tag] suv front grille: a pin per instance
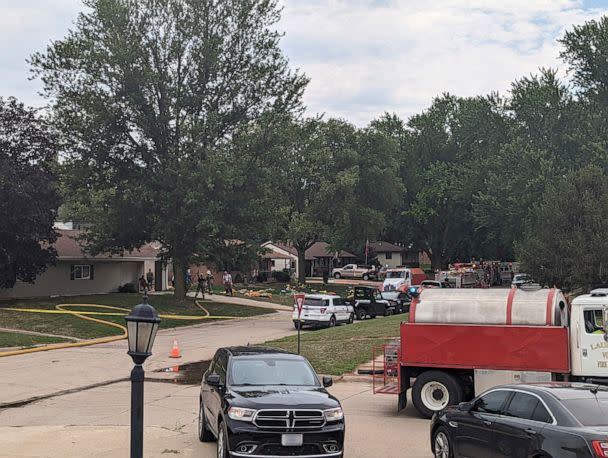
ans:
(289, 419)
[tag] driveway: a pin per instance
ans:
(95, 423)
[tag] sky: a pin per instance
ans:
(364, 57)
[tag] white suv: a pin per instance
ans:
(323, 310)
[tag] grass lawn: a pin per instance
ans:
(14, 339)
(339, 350)
(281, 295)
(84, 329)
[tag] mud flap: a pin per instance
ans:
(402, 402)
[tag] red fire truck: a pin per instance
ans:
(460, 342)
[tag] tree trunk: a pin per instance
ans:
(180, 280)
(301, 266)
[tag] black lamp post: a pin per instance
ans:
(142, 325)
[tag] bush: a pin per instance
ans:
(238, 278)
(262, 277)
(127, 288)
(281, 276)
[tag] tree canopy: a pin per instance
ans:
(29, 194)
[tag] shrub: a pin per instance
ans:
(262, 277)
(281, 276)
(127, 288)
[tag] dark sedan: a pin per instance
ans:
(536, 420)
(260, 403)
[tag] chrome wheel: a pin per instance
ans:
(442, 445)
(435, 396)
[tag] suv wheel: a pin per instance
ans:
(361, 314)
(204, 435)
(351, 318)
(222, 442)
(332, 321)
(441, 443)
(337, 275)
(365, 277)
(297, 325)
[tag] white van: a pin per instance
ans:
(323, 310)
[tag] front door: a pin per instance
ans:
(473, 431)
(594, 348)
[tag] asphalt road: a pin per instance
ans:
(95, 423)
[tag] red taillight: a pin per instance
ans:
(323, 311)
(600, 448)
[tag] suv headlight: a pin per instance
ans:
(241, 414)
(334, 414)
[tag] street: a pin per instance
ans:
(95, 423)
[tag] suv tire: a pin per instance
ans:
(222, 442)
(297, 324)
(442, 445)
(361, 314)
(204, 435)
(337, 275)
(435, 390)
(351, 318)
(365, 277)
(332, 321)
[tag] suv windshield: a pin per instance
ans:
(271, 371)
(590, 411)
(395, 274)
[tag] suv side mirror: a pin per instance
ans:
(327, 381)
(465, 406)
(214, 380)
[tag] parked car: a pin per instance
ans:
(258, 401)
(323, 310)
(352, 271)
(435, 284)
(520, 279)
(535, 420)
(400, 299)
(368, 302)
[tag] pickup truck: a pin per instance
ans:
(355, 271)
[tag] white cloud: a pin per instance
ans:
(364, 56)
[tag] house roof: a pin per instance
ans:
(385, 247)
(276, 255)
(68, 247)
(317, 250)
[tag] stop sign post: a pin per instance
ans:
(299, 300)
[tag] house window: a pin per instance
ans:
(388, 255)
(82, 272)
(272, 263)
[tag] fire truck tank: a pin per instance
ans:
(542, 307)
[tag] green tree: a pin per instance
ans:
(148, 96)
(565, 241)
(29, 196)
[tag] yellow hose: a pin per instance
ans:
(62, 309)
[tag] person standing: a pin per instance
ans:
(188, 279)
(200, 279)
(209, 281)
(227, 279)
(150, 279)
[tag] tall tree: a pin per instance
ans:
(565, 241)
(148, 95)
(29, 197)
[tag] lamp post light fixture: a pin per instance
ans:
(142, 325)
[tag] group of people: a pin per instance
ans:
(146, 283)
(205, 283)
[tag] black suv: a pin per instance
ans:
(262, 402)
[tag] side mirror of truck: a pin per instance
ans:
(327, 381)
(465, 406)
(214, 380)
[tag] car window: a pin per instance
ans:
(220, 366)
(491, 402)
(541, 414)
(378, 296)
(316, 302)
(594, 321)
(522, 405)
(339, 301)
(589, 411)
(271, 371)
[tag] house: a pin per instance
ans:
(319, 258)
(76, 272)
(388, 254)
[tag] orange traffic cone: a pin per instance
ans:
(175, 350)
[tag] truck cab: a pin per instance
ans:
(588, 338)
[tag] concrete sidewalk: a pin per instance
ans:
(29, 376)
(243, 301)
